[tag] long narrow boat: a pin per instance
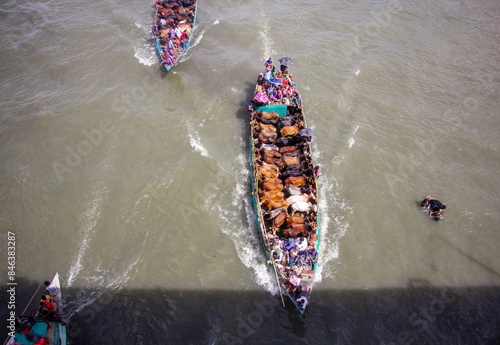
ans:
(173, 29)
(283, 182)
(41, 328)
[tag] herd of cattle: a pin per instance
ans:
(285, 175)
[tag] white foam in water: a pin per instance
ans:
(146, 55)
(88, 221)
(194, 140)
(351, 142)
(351, 139)
(265, 38)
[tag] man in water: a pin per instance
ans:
(434, 207)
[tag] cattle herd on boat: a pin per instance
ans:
(172, 26)
(285, 182)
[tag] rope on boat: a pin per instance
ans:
(30, 300)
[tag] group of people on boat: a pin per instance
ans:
(48, 311)
(286, 189)
(276, 86)
(172, 27)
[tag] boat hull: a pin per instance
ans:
(33, 327)
(280, 164)
(171, 57)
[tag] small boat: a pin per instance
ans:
(173, 29)
(284, 182)
(41, 327)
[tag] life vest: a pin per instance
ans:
(48, 305)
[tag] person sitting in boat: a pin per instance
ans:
(301, 243)
(269, 63)
(284, 71)
(277, 254)
(184, 35)
(52, 290)
(302, 301)
(48, 309)
(167, 60)
(24, 324)
(290, 244)
(312, 255)
(277, 96)
(267, 75)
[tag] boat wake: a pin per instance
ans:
(88, 221)
(91, 272)
(195, 141)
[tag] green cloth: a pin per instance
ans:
(278, 108)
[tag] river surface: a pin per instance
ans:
(133, 183)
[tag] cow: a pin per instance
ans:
(272, 186)
(273, 213)
(288, 149)
(274, 161)
(295, 220)
(290, 160)
(266, 127)
(292, 190)
(272, 204)
(270, 153)
(301, 206)
(267, 172)
(287, 141)
(269, 115)
(279, 220)
(297, 198)
(293, 233)
(274, 195)
(289, 130)
(297, 181)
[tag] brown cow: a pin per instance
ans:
(291, 233)
(272, 204)
(272, 186)
(290, 160)
(266, 139)
(288, 149)
(267, 172)
(278, 221)
(296, 226)
(289, 130)
(297, 181)
(270, 153)
(275, 194)
(275, 161)
(295, 219)
(269, 115)
(268, 127)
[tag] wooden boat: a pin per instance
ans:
(173, 28)
(284, 183)
(34, 329)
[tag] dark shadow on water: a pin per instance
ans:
(418, 314)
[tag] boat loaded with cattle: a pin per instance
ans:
(46, 325)
(284, 182)
(173, 28)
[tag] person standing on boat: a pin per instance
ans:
(51, 289)
(269, 63)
